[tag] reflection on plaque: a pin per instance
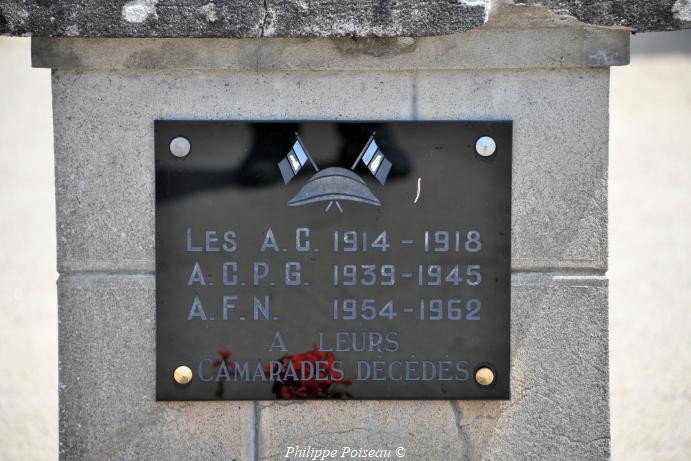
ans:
(332, 260)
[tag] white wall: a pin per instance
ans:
(28, 315)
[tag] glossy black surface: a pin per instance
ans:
(230, 185)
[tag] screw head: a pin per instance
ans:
(180, 147)
(485, 146)
(484, 376)
(182, 374)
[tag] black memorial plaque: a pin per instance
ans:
(332, 260)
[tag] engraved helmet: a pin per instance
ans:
(334, 184)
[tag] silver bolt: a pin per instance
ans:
(180, 147)
(485, 146)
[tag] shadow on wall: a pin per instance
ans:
(661, 42)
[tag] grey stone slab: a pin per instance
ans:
(558, 410)
(371, 18)
(533, 44)
(132, 18)
(317, 18)
(641, 15)
(104, 147)
(107, 393)
(560, 121)
(103, 128)
(558, 407)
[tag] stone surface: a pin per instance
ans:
(559, 406)
(103, 121)
(560, 122)
(640, 15)
(104, 139)
(107, 373)
(104, 142)
(300, 18)
(132, 18)
(550, 45)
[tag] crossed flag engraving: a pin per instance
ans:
(335, 183)
(371, 156)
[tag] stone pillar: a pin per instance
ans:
(548, 74)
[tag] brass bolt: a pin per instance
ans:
(484, 376)
(182, 375)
